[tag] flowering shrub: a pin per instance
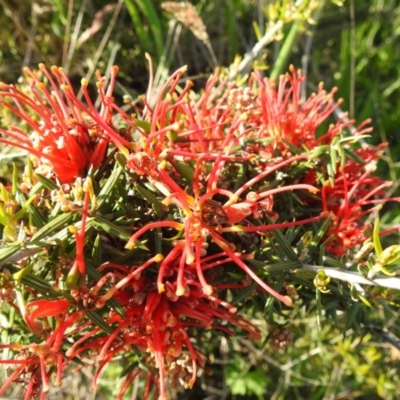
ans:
(132, 235)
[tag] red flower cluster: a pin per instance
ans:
(219, 169)
(67, 136)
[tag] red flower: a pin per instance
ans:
(217, 168)
(281, 114)
(35, 361)
(197, 226)
(156, 323)
(355, 194)
(66, 136)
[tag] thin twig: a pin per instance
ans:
(20, 255)
(356, 278)
(255, 51)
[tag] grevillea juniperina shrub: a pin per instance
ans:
(135, 227)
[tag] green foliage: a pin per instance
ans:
(144, 9)
(246, 383)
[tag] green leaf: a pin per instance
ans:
(105, 198)
(354, 157)
(111, 228)
(97, 251)
(61, 11)
(294, 149)
(354, 139)
(319, 308)
(239, 181)
(275, 267)
(333, 155)
(38, 219)
(248, 383)
(331, 174)
(53, 226)
(318, 151)
(285, 246)
(129, 210)
(99, 321)
(243, 294)
(376, 240)
(286, 50)
(39, 284)
(65, 233)
(151, 198)
(7, 252)
(149, 12)
(332, 262)
(304, 277)
(184, 169)
(352, 312)
(23, 272)
(145, 125)
(271, 299)
(318, 236)
(116, 231)
(121, 160)
(47, 183)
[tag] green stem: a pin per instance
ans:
(286, 50)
